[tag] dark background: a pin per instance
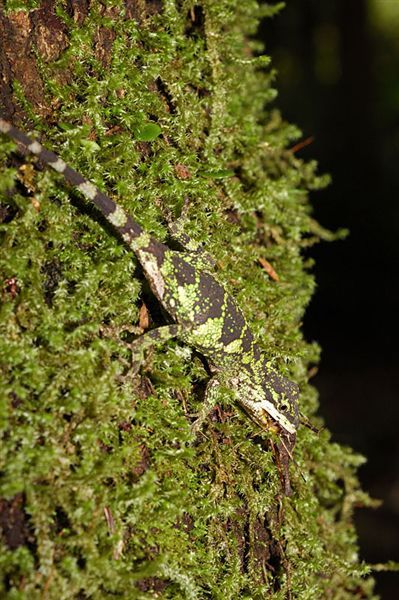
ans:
(338, 79)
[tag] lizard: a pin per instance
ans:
(204, 315)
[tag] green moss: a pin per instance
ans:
(17, 5)
(116, 498)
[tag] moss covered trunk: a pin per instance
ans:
(105, 492)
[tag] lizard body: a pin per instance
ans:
(204, 315)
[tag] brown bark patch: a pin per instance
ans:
(14, 522)
(140, 9)
(18, 59)
(78, 10)
(152, 584)
(104, 39)
(49, 33)
(260, 549)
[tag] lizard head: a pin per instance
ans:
(284, 395)
(270, 402)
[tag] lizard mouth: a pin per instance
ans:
(269, 417)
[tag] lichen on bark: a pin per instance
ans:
(104, 491)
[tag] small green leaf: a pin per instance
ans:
(90, 146)
(66, 126)
(148, 133)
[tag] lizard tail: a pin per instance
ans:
(130, 231)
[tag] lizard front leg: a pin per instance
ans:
(212, 395)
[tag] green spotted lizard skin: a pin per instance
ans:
(204, 315)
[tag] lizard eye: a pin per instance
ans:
(284, 407)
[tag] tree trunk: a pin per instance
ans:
(105, 492)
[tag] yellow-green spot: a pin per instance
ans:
(234, 347)
(87, 189)
(118, 217)
(209, 333)
(187, 297)
(141, 241)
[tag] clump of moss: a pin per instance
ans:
(105, 493)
